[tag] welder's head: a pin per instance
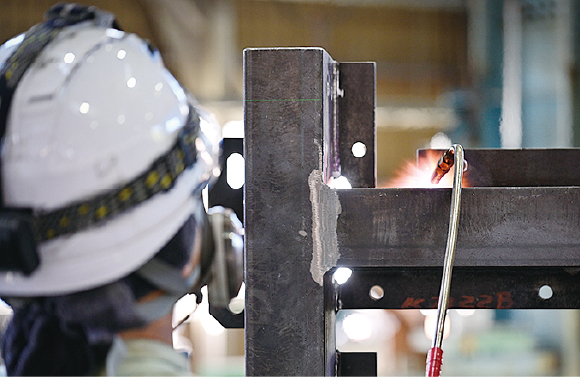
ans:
(104, 156)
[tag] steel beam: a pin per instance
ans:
(517, 167)
(510, 227)
(471, 288)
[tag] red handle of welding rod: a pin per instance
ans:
(434, 362)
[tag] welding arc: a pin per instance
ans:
(435, 355)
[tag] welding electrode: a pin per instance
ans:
(443, 166)
(453, 156)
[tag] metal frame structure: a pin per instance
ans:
(303, 111)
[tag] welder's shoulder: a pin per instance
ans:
(144, 357)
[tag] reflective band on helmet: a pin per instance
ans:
(159, 177)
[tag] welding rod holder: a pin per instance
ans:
(435, 355)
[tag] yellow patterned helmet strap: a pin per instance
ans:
(160, 177)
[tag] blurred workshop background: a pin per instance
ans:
(484, 73)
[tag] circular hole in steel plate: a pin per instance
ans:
(545, 292)
(359, 149)
(376, 292)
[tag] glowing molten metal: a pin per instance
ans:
(419, 174)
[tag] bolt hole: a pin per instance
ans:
(377, 292)
(359, 149)
(545, 292)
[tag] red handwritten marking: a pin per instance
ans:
(467, 302)
(435, 301)
(504, 300)
(484, 302)
(412, 303)
(500, 300)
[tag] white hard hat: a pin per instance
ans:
(96, 145)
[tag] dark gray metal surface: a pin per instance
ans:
(498, 227)
(285, 99)
(519, 167)
(356, 122)
(356, 364)
(471, 288)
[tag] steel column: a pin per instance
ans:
(287, 101)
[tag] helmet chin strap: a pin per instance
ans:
(171, 283)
